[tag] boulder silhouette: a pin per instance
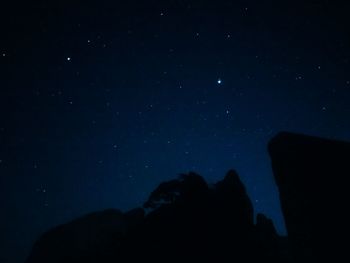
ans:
(186, 220)
(312, 176)
(92, 237)
(229, 193)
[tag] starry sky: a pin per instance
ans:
(101, 101)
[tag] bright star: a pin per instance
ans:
(219, 81)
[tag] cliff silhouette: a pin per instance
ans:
(187, 219)
(312, 177)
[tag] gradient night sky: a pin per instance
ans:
(101, 102)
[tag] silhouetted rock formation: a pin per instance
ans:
(92, 236)
(312, 176)
(186, 220)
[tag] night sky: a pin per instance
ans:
(100, 102)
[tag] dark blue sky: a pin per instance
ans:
(100, 102)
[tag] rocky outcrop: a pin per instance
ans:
(186, 220)
(312, 175)
(89, 237)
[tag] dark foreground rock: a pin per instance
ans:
(312, 175)
(186, 220)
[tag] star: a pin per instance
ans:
(219, 81)
(68, 58)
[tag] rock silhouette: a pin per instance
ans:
(312, 175)
(188, 220)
